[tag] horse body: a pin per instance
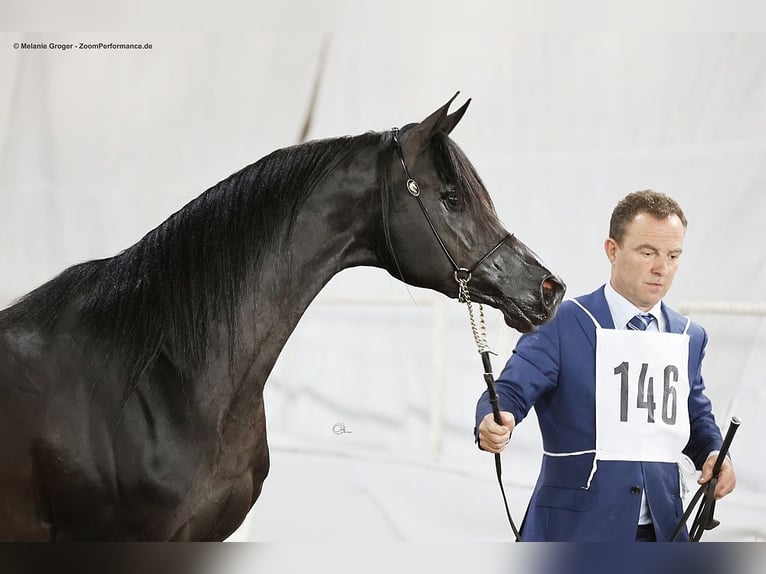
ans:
(132, 401)
(196, 450)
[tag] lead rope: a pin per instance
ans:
(462, 276)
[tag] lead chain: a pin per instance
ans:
(480, 331)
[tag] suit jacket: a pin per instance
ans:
(553, 369)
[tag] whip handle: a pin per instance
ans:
(735, 422)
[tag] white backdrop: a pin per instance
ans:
(100, 146)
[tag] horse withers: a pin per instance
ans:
(131, 388)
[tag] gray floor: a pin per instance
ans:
(315, 497)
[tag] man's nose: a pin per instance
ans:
(660, 266)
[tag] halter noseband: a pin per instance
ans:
(462, 274)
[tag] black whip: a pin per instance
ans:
(705, 495)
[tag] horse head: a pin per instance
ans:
(441, 226)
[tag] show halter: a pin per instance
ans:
(462, 277)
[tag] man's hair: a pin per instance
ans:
(654, 203)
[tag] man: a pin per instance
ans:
(616, 383)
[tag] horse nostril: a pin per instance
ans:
(552, 290)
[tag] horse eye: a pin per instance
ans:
(451, 197)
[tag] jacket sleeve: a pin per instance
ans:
(531, 371)
(704, 436)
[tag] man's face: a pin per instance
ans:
(644, 266)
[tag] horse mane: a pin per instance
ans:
(192, 269)
(189, 273)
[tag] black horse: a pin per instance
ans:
(131, 388)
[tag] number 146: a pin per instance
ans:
(645, 393)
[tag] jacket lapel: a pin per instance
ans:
(675, 321)
(595, 303)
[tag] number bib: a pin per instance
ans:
(642, 395)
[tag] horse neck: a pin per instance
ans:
(335, 229)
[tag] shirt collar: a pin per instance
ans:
(623, 310)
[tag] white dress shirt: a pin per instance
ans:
(623, 311)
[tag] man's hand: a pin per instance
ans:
(494, 437)
(727, 480)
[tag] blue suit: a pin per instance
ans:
(553, 369)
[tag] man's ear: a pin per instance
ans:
(610, 248)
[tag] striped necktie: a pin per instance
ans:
(641, 321)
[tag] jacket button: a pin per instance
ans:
(635, 490)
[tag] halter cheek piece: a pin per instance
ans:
(462, 274)
(462, 277)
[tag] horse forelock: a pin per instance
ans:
(454, 168)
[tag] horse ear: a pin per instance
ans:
(451, 120)
(438, 121)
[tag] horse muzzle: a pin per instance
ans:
(526, 314)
